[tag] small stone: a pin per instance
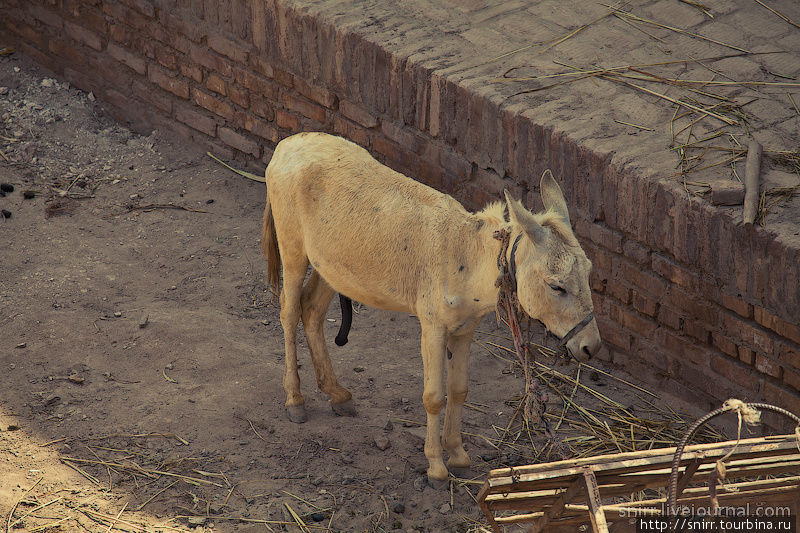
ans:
(382, 442)
(12, 366)
(359, 369)
(388, 426)
(347, 458)
(399, 508)
(5, 213)
(317, 517)
(21, 345)
(445, 508)
(143, 320)
(28, 194)
(317, 481)
(77, 379)
(420, 483)
(197, 520)
(48, 82)
(117, 314)
(210, 201)
(6, 187)
(404, 400)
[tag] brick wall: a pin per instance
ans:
(687, 301)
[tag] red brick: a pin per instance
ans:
(357, 114)
(283, 78)
(238, 141)
(642, 279)
(643, 304)
(351, 130)
(158, 99)
(261, 128)
(612, 332)
(692, 306)
(788, 355)
(192, 72)
(724, 344)
(458, 168)
(196, 120)
(72, 54)
(606, 237)
(227, 48)
(618, 291)
(746, 355)
(46, 16)
(260, 65)
(791, 378)
(210, 60)
(145, 7)
(216, 84)
(176, 86)
(176, 23)
(167, 59)
(317, 94)
(145, 46)
(675, 273)
(117, 11)
(633, 250)
(286, 120)
(684, 347)
(781, 396)
(698, 330)
(669, 317)
(215, 105)
(304, 107)
(768, 366)
(127, 58)
(753, 336)
(744, 376)
(239, 96)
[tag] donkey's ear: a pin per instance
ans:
(552, 197)
(524, 218)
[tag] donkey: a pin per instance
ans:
(383, 239)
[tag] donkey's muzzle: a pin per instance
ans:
(588, 344)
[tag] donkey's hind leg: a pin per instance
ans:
(293, 274)
(316, 298)
(457, 362)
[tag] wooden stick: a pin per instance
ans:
(751, 177)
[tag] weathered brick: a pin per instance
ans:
(724, 344)
(47, 16)
(227, 47)
(736, 304)
(166, 58)
(618, 291)
(613, 333)
(127, 58)
(635, 251)
(357, 114)
(304, 107)
(693, 307)
(260, 65)
(698, 330)
(642, 279)
(159, 99)
(286, 120)
(216, 84)
(192, 72)
(174, 85)
(145, 7)
(238, 141)
(453, 163)
(644, 304)
(239, 96)
(72, 54)
(791, 378)
(196, 120)
(215, 105)
(261, 128)
(744, 376)
(767, 365)
(781, 396)
(753, 336)
(746, 355)
(178, 24)
(351, 130)
(675, 273)
(317, 94)
(683, 347)
(210, 60)
(606, 237)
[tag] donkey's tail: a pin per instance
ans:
(269, 248)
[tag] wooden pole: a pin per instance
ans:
(752, 170)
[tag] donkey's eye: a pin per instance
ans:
(558, 288)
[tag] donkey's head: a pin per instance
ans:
(552, 271)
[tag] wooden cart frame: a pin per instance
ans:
(600, 490)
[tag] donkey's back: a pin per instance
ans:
(370, 232)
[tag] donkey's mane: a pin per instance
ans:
(495, 214)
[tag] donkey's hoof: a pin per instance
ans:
(296, 413)
(346, 408)
(438, 484)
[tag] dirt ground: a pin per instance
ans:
(141, 355)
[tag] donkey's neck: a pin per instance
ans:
(487, 250)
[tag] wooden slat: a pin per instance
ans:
(596, 515)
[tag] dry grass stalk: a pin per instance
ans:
(778, 13)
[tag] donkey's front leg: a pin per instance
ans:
(433, 350)
(457, 363)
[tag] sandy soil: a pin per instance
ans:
(141, 354)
